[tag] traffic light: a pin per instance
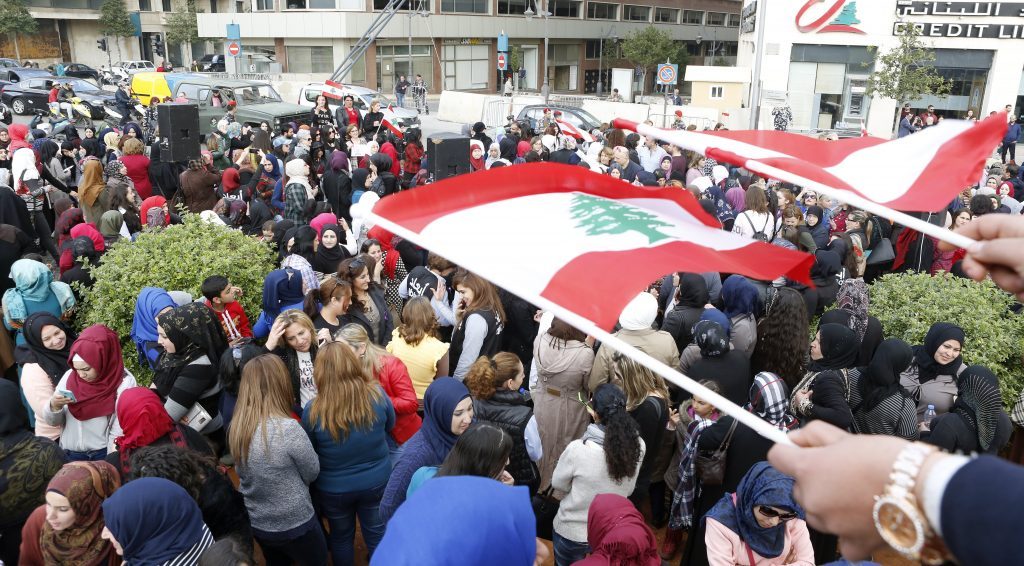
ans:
(102, 44)
(158, 45)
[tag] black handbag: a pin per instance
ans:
(882, 252)
(710, 466)
(545, 507)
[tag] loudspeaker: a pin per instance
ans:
(448, 155)
(179, 131)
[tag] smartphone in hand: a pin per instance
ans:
(68, 394)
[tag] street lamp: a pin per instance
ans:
(545, 90)
(423, 13)
(600, 59)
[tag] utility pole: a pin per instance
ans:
(755, 86)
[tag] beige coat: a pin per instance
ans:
(659, 344)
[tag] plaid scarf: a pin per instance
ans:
(681, 514)
(769, 399)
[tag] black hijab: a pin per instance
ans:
(827, 264)
(280, 229)
(259, 214)
(13, 416)
(195, 332)
(327, 259)
(693, 291)
(979, 403)
(282, 246)
(53, 362)
(711, 338)
(881, 378)
(924, 356)
(839, 348)
(359, 180)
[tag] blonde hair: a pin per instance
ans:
(295, 316)
(418, 321)
(355, 335)
(265, 392)
(345, 398)
(486, 375)
(134, 146)
(637, 381)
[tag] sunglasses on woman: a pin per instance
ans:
(773, 513)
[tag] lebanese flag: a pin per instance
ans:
(333, 90)
(573, 131)
(391, 107)
(563, 237)
(394, 130)
(920, 172)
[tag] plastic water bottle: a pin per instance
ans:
(926, 418)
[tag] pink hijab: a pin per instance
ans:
(322, 220)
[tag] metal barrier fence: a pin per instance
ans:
(242, 76)
(668, 119)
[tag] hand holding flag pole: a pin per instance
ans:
(922, 172)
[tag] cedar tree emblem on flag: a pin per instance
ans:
(603, 216)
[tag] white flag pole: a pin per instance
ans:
(670, 374)
(678, 138)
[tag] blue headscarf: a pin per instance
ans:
(151, 301)
(275, 173)
(718, 316)
(739, 296)
(763, 485)
(154, 520)
(34, 282)
(281, 288)
(453, 507)
(138, 131)
(439, 402)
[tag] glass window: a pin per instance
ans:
(189, 91)
(466, 66)
(322, 5)
(602, 11)
(734, 20)
(695, 17)
(716, 92)
(593, 50)
(145, 6)
(417, 5)
(666, 15)
(636, 13)
(213, 6)
(310, 59)
(255, 94)
(468, 6)
(715, 19)
(167, 6)
(512, 7)
(263, 5)
(295, 4)
(564, 8)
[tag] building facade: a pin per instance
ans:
(817, 57)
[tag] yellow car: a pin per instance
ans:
(145, 86)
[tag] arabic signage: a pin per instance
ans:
(960, 10)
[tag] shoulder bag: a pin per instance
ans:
(710, 466)
(545, 507)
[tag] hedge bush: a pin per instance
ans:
(907, 304)
(179, 258)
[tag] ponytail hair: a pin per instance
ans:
(621, 435)
(486, 375)
(331, 287)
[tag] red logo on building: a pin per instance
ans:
(840, 17)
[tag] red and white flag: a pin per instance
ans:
(573, 131)
(333, 90)
(562, 235)
(391, 106)
(394, 130)
(920, 172)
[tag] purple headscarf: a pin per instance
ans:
(339, 161)
(736, 196)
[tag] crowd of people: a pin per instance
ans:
(382, 385)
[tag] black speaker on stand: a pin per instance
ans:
(448, 155)
(179, 131)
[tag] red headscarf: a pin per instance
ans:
(65, 222)
(88, 229)
(230, 181)
(155, 201)
(522, 148)
(143, 418)
(387, 245)
(477, 164)
(18, 133)
(618, 535)
(100, 347)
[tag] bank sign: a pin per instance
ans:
(972, 18)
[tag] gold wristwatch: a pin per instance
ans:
(898, 515)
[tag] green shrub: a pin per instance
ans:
(176, 258)
(907, 304)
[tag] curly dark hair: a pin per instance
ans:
(621, 434)
(182, 466)
(783, 338)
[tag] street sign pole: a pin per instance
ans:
(667, 73)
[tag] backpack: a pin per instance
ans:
(760, 234)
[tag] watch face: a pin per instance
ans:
(899, 525)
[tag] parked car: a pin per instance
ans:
(361, 99)
(247, 63)
(17, 74)
(77, 70)
(131, 67)
(532, 115)
(256, 101)
(6, 63)
(5, 114)
(33, 93)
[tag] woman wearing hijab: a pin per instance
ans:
(116, 172)
(931, 378)
(825, 391)
(257, 215)
(155, 521)
(67, 529)
(282, 290)
(448, 412)
(27, 462)
(300, 257)
(394, 271)
(297, 191)
(761, 524)
(852, 303)
(193, 341)
(145, 422)
(230, 183)
(261, 186)
(768, 398)
(976, 422)
(740, 300)
(90, 189)
(84, 230)
(825, 272)
(199, 186)
(156, 202)
(96, 379)
(477, 155)
(817, 225)
(151, 302)
(726, 366)
(617, 534)
(337, 185)
(331, 252)
(34, 291)
(83, 252)
(110, 227)
(43, 359)
(691, 297)
(65, 222)
(880, 404)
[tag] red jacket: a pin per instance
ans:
(394, 378)
(233, 320)
(138, 170)
(390, 151)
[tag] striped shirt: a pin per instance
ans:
(896, 415)
(191, 556)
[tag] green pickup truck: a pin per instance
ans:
(256, 102)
